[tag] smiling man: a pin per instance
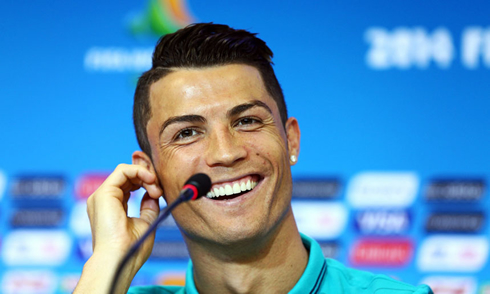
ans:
(211, 104)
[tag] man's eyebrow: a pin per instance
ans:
(243, 107)
(230, 113)
(183, 118)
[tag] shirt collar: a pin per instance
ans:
(315, 271)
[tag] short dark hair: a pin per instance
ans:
(198, 46)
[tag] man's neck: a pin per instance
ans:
(273, 265)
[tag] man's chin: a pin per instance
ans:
(232, 236)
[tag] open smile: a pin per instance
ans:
(233, 189)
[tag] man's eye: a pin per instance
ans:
(186, 133)
(246, 121)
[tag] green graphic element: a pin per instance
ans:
(161, 17)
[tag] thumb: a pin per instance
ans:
(149, 209)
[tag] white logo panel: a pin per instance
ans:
(32, 282)
(320, 220)
(451, 285)
(36, 247)
(453, 253)
(383, 189)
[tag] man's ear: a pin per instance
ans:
(140, 158)
(293, 134)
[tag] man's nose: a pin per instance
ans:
(225, 148)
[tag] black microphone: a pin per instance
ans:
(196, 186)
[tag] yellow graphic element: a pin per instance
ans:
(174, 279)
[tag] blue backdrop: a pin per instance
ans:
(391, 97)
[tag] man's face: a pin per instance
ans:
(221, 121)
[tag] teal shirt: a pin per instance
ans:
(322, 275)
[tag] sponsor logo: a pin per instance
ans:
(372, 252)
(169, 250)
(171, 278)
(33, 282)
(3, 184)
(382, 222)
(453, 253)
(87, 184)
(330, 249)
(451, 285)
(320, 189)
(377, 189)
(36, 247)
(37, 217)
(320, 220)
(455, 222)
(38, 187)
(455, 190)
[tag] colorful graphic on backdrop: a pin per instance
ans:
(162, 17)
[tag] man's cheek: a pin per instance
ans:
(268, 140)
(178, 164)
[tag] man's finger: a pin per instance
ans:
(126, 176)
(153, 190)
(149, 209)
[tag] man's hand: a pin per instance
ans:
(113, 232)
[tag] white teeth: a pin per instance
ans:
(228, 190)
(236, 188)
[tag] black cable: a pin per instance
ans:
(195, 187)
(164, 214)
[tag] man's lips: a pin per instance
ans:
(223, 190)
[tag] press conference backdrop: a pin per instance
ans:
(391, 97)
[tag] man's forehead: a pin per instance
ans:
(186, 87)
